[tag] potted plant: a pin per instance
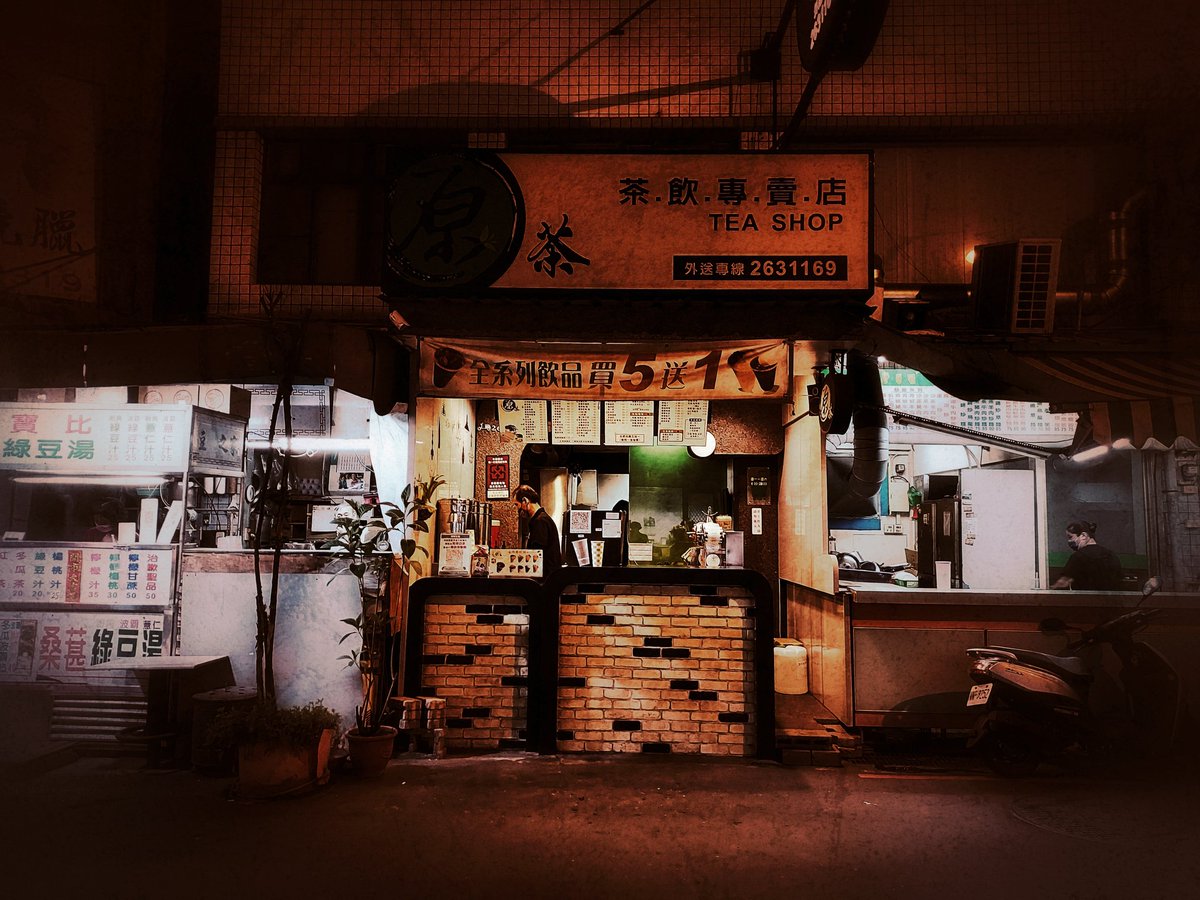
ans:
(281, 750)
(366, 533)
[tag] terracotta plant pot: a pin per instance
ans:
(369, 754)
(272, 769)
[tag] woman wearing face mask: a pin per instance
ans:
(1091, 567)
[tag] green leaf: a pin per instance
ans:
(358, 569)
(408, 547)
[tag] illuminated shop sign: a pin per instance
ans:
(745, 222)
(69, 437)
(563, 371)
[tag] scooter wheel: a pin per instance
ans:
(1011, 754)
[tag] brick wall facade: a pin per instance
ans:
(657, 668)
(475, 657)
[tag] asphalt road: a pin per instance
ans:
(518, 825)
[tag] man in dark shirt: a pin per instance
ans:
(1091, 567)
(541, 532)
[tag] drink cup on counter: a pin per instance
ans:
(581, 551)
(597, 553)
(942, 573)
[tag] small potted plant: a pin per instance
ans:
(365, 533)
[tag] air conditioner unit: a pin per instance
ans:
(1013, 285)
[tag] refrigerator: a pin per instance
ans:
(987, 531)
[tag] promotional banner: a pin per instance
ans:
(717, 370)
(654, 222)
(63, 646)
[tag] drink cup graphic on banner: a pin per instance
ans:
(446, 363)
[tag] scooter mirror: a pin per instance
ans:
(1052, 626)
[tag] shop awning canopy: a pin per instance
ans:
(1159, 424)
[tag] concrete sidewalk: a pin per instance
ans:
(518, 825)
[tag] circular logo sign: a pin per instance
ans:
(453, 221)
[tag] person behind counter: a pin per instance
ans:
(541, 533)
(1091, 567)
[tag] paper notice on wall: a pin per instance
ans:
(575, 421)
(968, 507)
(629, 422)
(611, 527)
(682, 423)
(524, 419)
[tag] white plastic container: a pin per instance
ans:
(791, 667)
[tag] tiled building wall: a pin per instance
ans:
(491, 67)
(657, 669)
(475, 657)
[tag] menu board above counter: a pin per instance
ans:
(575, 421)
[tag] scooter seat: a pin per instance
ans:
(1070, 666)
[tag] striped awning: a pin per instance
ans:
(1118, 375)
(1159, 424)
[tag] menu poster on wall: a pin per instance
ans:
(69, 437)
(525, 419)
(575, 421)
(682, 423)
(629, 422)
(218, 444)
(83, 575)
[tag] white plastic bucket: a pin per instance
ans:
(791, 667)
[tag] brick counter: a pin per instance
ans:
(633, 660)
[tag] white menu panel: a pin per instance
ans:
(138, 576)
(575, 421)
(629, 422)
(682, 423)
(526, 419)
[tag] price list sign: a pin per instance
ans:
(525, 419)
(133, 576)
(682, 423)
(67, 437)
(575, 421)
(629, 422)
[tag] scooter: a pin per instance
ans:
(1035, 706)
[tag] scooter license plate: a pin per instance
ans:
(979, 694)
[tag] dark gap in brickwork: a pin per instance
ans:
(714, 601)
(512, 743)
(590, 588)
(514, 681)
(684, 684)
(459, 659)
(703, 590)
(479, 608)
(522, 734)
(479, 649)
(648, 652)
(489, 620)
(563, 735)
(600, 620)
(459, 723)
(434, 658)
(627, 725)
(676, 653)
(573, 599)
(427, 692)
(702, 695)
(658, 642)
(733, 717)
(656, 747)
(572, 681)
(477, 712)
(508, 609)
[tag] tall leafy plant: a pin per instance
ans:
(365, 532)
